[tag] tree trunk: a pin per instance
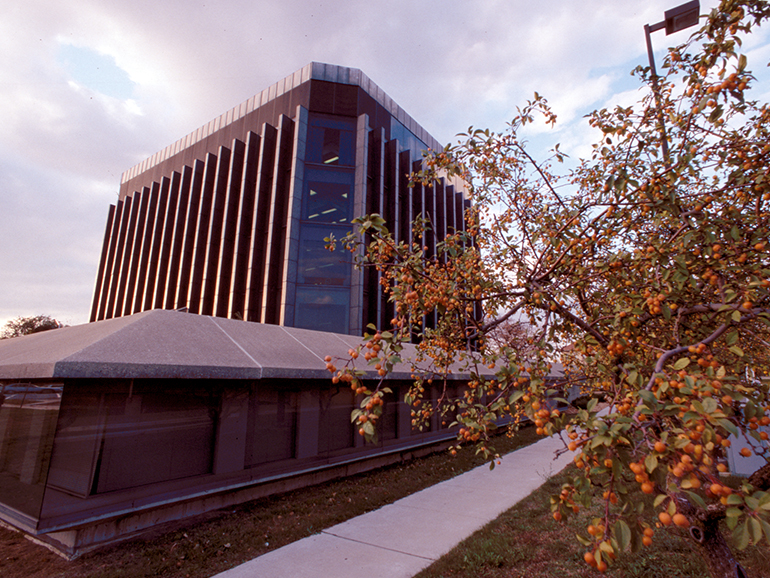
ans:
(710, 542)
(715, 550)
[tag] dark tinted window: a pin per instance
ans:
(322, 308)
(328, 196)
(272, 425)
(317, 264)
(331, 141)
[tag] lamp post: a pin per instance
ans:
(676, 19)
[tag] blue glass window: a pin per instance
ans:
(318, 265)
(323, 308)
(328, 196)
(331, 141)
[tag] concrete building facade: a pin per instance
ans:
(113, 427)
(230, 220)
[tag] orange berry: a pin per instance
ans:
(680, 520)
(665, 518)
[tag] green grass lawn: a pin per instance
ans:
(526, 542)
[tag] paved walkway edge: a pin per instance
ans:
(400, 539)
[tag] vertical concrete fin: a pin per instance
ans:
(108, 252)
(294, 206)
(244, 232)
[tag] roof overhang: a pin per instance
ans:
(174, 345)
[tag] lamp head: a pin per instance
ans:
(682, 16)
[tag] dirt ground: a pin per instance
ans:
(21, 558)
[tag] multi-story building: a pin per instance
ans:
(230, 220)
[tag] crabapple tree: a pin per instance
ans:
(643, 270)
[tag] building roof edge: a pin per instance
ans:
(311, 71)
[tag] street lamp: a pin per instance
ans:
(676, 19)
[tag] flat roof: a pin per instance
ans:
(175, 345)
(312, 71)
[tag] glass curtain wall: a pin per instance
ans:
(323, 278)
(28, 414)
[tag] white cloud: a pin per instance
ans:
(64, 141)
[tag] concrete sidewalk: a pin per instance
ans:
(399, 540)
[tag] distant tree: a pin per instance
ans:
(27, 325)
(514, 334)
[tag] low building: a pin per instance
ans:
(112, 427)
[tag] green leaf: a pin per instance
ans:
(622, 534)
(736, 316)
(600, 440)
(756, 530)
(737, 350)
(583, 540)
(649, 399)
(766, 530)
(696, 499)
(681, 363)
(734, 500)
(741, 535)
(659, 499)
(733, 512)
(709, 405)
(729, 426)
(698, 406)
(651, 462)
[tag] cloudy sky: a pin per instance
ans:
(88, 88)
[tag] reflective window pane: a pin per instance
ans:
(323, 309)
(28, 415)
(335, 432)
(331, 141)
(318, 265)
(177, 424)
(272, 425)
(328, 196)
